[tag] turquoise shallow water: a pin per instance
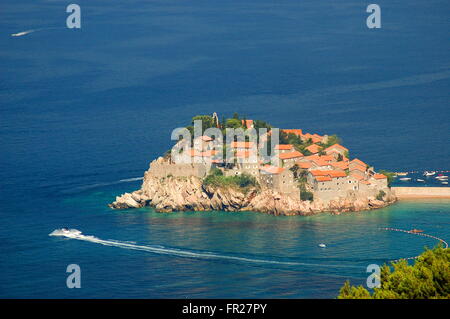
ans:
(208, 254)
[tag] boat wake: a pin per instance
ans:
(76, 234)
(97, 185)
(21, 34)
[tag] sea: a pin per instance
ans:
(84, 111)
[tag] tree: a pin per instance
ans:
(294, 169)
(428, 278)
(332, 139)
(304, 194)
(390, 176)
(233, 123)
(261, 124)
(207, 121)
(380, 195)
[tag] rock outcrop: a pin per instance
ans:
(167, 194)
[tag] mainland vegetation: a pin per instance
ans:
(428, 278)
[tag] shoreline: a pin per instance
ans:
(421, 192)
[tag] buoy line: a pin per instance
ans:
(418, 234)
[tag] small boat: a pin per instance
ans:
(420, 180)
(445, 183)
(322, 245)
(441, 177)
(428, 173)
(415, 231)
(401, 174)
(405, 179)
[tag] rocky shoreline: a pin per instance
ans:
(168, 194)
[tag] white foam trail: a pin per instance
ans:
(132, 179)
(76, 234)
(19, 34)
(84, 188)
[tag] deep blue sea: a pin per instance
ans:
(83, 112)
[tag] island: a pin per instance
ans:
(239, 164)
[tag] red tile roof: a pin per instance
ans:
(290, 155)
(323, 178)
(272, 169)
(243, 154)
(379, 176)
(312, 157)
(320, 162)
(206, 138)
(209, 153)
(297, 132)
(328, 158)
(330, 173)
(304, 165)
(242, 144)
(335, 173)
(193, 152)
(358, 177)
(358, 161)
(358, 167)
(341, 165)
(318, 173)
(284, 147)
(248, 123)
(339, 146)
(314, 148)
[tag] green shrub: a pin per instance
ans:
(381, 195)
(390, 176)
(215, 171)
(242, 181)
(305, 195)
(428, 278)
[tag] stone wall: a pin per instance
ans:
(160, 168)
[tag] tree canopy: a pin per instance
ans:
(390, 176)
(428, 278)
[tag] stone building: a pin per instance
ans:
(280, 179)
(335, 150)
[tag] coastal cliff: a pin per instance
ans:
(167, 194)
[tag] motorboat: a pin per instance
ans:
(429, 173)
(401, 173)
(322, 245)
(405, 178)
